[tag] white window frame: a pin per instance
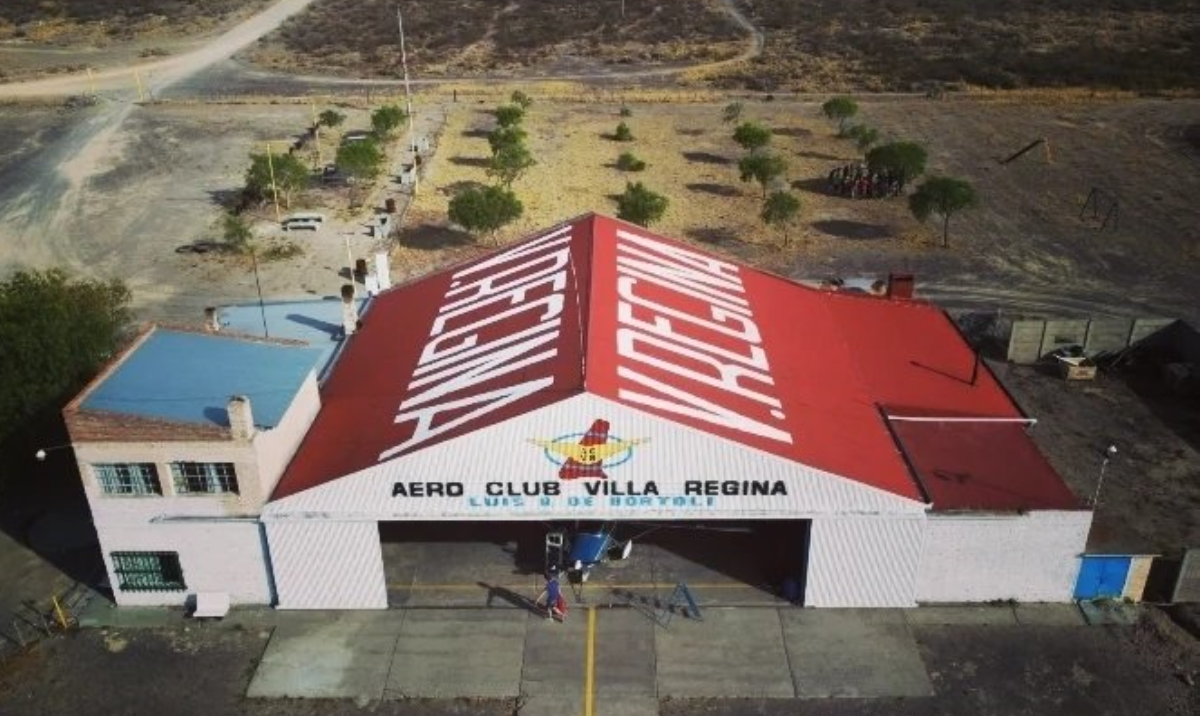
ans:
(204, 478)
(127, 479)
(148, 571)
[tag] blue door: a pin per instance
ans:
(1101, 577)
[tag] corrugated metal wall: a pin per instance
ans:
(864, 561)
(1032, 557)
(327, 565)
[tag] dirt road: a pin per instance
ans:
(159, 74)
(42, 208)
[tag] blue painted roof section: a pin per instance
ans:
(189, 377)
(317, 322)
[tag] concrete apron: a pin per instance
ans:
(600, 661)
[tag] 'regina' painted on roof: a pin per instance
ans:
(672, 335)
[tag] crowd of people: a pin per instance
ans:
(858, 182)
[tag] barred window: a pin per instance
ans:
(137, 478)
(148, 571)
(192, 478)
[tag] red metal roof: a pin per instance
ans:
(982, 466)
(451, 352)
(601, 306)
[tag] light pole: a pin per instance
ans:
(1108, 455)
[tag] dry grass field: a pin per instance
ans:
(460, 37)
(55, 37)
(1025, 239)
(102, 22)
(691, 158)
(811, 46)
(867, 45)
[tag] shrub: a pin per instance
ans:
(627, 162)
(622, 133)
(640, 206)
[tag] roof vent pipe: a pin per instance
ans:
(349, 310)
(241, 418)
(383, 271)
(901, 286)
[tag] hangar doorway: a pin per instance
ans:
(432, 564)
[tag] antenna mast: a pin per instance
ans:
(412, 137)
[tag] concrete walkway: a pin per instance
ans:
(612, 661)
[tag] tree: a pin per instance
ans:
(943, 196)
(779, 211)
(55, 332)
(863, 135)
(386, 119)
(623, 133)
(331, 118)
(732, 112)
(291, 175)
(752, 136)
(521, 99)
(485, 210)
(236, 232)
(840, 110)
(501, 137)
(627, 162)
(509, 163)
(362, 159)
(762, 168)
(509, 115)
(902, 159)
(640, 206)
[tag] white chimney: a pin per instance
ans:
(383, 271)
(211, 323)
(349, 310)
(241, 418)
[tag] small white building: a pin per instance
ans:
(180, 442)
(595, 371)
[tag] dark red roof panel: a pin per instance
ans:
(982, 466)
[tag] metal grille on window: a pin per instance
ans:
(148, 571)
(204, 477)
(139, 478)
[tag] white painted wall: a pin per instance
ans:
(1032, 557)
(321, 564)
(275, 447)
(215, 556)
(864, 561)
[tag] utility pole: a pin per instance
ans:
(138, 78)
(258, 284)
(274, 191)
(1108, 455)
(316, 132)
(91, 81)
(412, 137)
